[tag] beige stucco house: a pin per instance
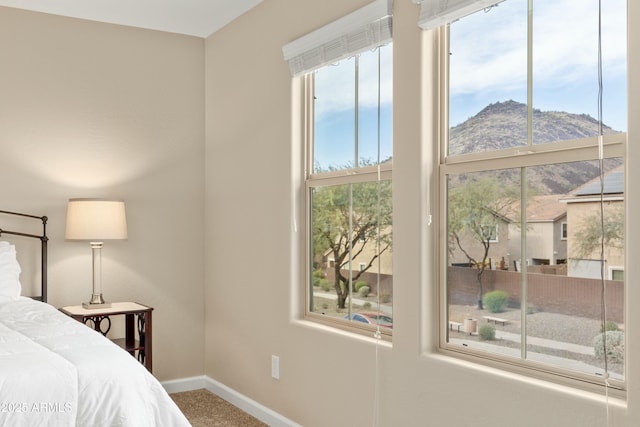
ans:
(546, 232)
(583, 214)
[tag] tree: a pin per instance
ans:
(345, 223)
(597, 231)
(475, 207)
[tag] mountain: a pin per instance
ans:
(504, 125)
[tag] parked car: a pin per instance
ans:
(372, 318)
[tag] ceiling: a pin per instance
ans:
(198, 18)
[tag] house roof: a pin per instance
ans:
(613, 184)
(612, 188)
(544, 208)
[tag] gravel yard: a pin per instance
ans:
(563, 338)
(549, 326)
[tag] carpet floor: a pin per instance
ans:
(203, 408)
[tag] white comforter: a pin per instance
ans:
(55, 371)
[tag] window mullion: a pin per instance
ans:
(348, 177)
(309, 111)
(523, 262)
(356, 164)
(356, 111)
(523, 187)
(350, 243)
(537, 155)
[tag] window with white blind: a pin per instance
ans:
(345, 69)
(534, 144)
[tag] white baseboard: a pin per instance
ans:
(241, 401)
(184, 384)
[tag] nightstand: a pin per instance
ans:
(134, 313)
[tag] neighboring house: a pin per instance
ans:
(546, 232)
(583, 211)
(555, 226)
(363, 259)
(498, 245)
(362, 256)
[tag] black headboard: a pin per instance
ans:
(43, 245)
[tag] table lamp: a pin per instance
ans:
(96, 220)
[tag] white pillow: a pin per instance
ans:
(10, 287)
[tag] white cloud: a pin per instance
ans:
(489, 49)
(335, 84)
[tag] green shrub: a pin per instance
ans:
(385, 298)
(317, 276)
(496, 301)
(615, 346)
(364, 291)
(325, 285)
(487, 332)
(366, 305)
(609, 326)
(359, 284)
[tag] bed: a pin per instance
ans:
(55, 371)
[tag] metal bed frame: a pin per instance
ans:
(43, 247)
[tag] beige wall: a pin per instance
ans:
(95, 110)
(543, 241)
(475, 248)
(88, 109)
(253, 279)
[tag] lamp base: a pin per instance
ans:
(89, 305)
(96, 302)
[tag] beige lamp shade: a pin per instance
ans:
(96, 220)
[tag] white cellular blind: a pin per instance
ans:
(366, 28)
(434, 13)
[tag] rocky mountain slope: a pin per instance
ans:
(504, 125)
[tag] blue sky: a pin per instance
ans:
(489, 58)
(335, 110)
(488, 65)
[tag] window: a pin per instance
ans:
(522, 149)
(349, 188)
(489, 233)
(345, 69)
(616, 273)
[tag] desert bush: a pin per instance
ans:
(487, 332)
(364, 291)
(609, 326)
(496, 301)
(325, 285)
(615, 346)
(385, 298)
(366, 305)
(359, 284)
(317, 276)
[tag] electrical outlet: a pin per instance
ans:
(275, 367)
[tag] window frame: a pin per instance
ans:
(311, 180)
(584, 149)
(494, 237)
(615, 269)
